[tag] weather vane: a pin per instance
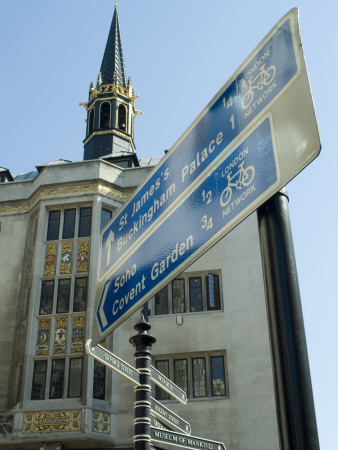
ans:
(115, 3)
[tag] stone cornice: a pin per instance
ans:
(63, 191)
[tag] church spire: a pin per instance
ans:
(112, 67)
(110, 108)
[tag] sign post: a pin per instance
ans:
(255, 135)
(142, 342)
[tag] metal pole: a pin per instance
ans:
(293, 389)
(142, 343)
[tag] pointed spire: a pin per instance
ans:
(112, 62)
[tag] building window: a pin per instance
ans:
(199, 375)
(46, 298)
(217, 375)
(80, 294)
(63, 297)
(161, 301)
(61, 317)
(181, 373)
(91, 121)
(213, 294)
(99, 381)
(57, 378)
(53, 226)
(74, 379)
(85, 222)
(195, 294)
(106, 215)
(122, 118)
(199, 380)
(178, 296)
(68, 223)
(191, 292)
(105, 115)
(39, 380)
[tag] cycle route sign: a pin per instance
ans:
(254, 136)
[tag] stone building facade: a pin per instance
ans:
(210, 323)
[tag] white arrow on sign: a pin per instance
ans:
(109, 242)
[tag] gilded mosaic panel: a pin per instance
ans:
(78, 334)
(42, 344)
(50, 260)
(83, 256)
(66, 258)
(60, 335)
(51, 421)
(101, 422)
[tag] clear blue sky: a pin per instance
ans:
(179, 54)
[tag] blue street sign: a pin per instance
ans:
(257, 83)
(218, 173)
(236, 184)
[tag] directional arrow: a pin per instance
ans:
(169, 439)
(109, 242)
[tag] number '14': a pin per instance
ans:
(227, 104)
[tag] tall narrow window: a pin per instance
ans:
(213, 294)
(217, 375)
(63, 296)
(122, 118)
(105, 115)
(80, 295)
(181, 374)
(178, 296)
(39, 380)
(69, 224)
(199, 377)
(105, 217)
(74, 379)
(57, 378)
(195, 294)
(99, 381)
(161, 301)
(91, 121)
(46, 299)
(85, 221)
(53, 225)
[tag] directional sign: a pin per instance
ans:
(247, 162)
(168, 417)
(260, 79)
(168, 439)
(113, 362)
(168, 386)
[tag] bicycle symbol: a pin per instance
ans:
(242, 177)
(264, 78)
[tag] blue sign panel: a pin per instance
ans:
(235, 185)
(252, 89)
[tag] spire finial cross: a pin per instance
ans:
(115, 3)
